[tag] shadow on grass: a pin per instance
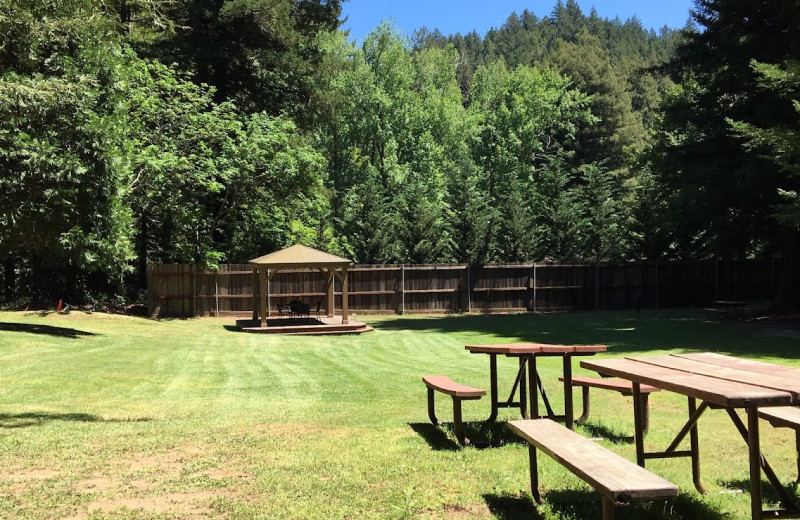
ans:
(588, 504)
(436, 438)
(768, 491)
(49, 330)
(481, 433)
(596, 430)
(624, 331)
(512, 507)
(234, 328)
(30, 419)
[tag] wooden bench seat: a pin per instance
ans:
(459, 393)
(617, 479)
(785, 417)
(617, 385)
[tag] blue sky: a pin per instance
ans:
(452, 16)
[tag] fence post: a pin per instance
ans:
(534, 287)
(269, 296)
(597, 286)
(216, 290)
(402, 289)
(194, 289)
(469, 289)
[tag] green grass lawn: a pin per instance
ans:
(105, 416)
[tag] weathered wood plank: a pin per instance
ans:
(715, 391)
(781, 416)
(726, 372)
(742, 364)
(609, 473)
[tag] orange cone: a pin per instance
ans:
(60, 306)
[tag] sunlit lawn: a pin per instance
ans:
(106, 416)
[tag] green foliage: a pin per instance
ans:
(526, 118)
(212, 184)
(780, 142)
(721, 195)
(259, 54)
(63, 153)
(397, 128)
(270, 128)
(619, 128)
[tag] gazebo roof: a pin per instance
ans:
(300, 256)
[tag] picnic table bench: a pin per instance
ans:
(459, 393)
(785, 417)
(618, 385)
(618, 480)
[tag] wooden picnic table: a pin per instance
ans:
(717, 381)
(527, 353)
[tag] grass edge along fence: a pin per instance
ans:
(177, 290)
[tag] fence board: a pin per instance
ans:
(188, 290)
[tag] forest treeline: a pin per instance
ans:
(136, 131)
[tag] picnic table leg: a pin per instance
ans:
(534, 469)
(493, 387)
(458, 427)
(568, 412)
(533, 375)
(523, 405)
(545, 400)
(431, 408)
(638, 432)
(694, 443)
(797, 446)
(608, 508)
(754, 448)
(585, 406)
(787, 502)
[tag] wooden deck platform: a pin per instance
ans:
(304, 326)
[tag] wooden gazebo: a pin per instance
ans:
(297, 257)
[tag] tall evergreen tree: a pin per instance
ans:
(724, 195)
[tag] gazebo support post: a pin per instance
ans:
(345, 321)
(262, 287)
(256, 292)
(329, 295)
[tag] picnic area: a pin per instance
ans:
(110, 416)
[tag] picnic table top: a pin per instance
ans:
(520, 349)
(721, 380)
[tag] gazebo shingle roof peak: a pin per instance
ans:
(299, 255)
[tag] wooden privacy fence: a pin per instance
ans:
(189, 290)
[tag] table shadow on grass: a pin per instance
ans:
(32, 419)
(588, 504)
(768, 493)
(624, 332)
(49, 330)
(598, 430)
(482, 435)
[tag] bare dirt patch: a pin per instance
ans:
(165, 464)
(20, 481)
(32, 474)
(478, 510)
(226, 473)
(95, 484)
(188, 505)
